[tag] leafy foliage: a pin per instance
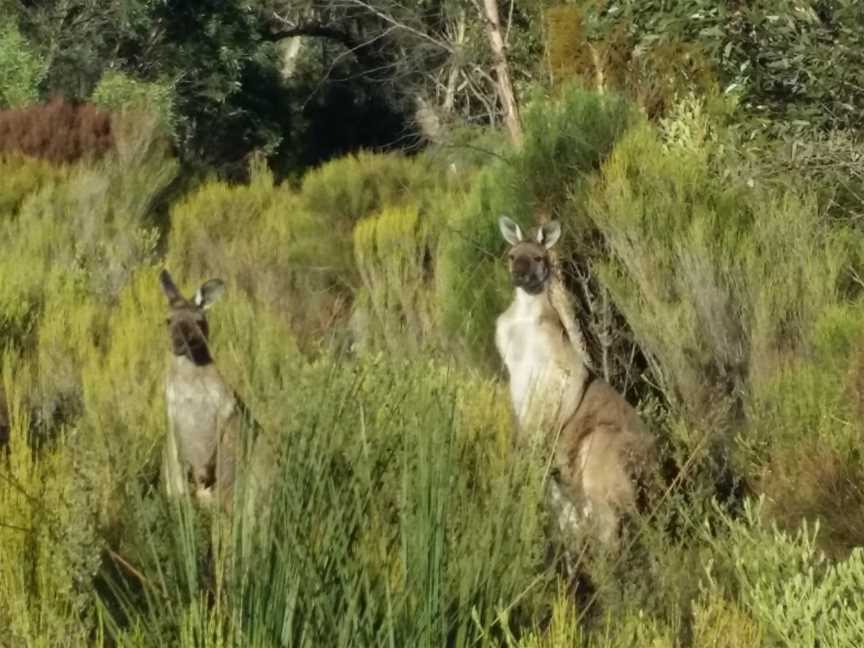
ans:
(118, 93)
(21, 68)
(795, 66)
(741, 271)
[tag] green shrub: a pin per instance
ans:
(85, 226)
(50, 541)
(339, 194)
(23, 175)
(720, 279)
(565, 140)
(119, 93)
(720, 623)
(801, 448)
(393, 251)
(788, 586)
(294, 250)
(21, 68)
(76, 235)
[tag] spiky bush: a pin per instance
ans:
(390, 532)
(395, 251)
(786, 583)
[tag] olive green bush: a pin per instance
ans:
(357, 327)
(120, 93)
(720, 278)
(786, 584)
(22, 67)
(294, 248)
(394, 251)
(565, 140)
(802, 445)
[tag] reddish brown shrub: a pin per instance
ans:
(58, 131)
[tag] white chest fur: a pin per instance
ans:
(545, 383)
(199, 403)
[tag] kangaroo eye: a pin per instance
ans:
(511, 256)
(538, 259)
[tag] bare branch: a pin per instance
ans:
(401, 25)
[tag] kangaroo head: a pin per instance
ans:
(187, 324)
(530, 266)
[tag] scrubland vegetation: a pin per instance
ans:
(715, 264)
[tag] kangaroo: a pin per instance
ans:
(600, 443)
(208, 424)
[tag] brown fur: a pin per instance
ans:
(208, 427)
(603, 447)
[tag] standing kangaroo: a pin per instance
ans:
(208, 425)
(601, 445)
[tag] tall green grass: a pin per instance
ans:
(397, 517)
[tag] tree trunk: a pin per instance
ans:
(502, 71)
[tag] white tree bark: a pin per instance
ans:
(502, 71)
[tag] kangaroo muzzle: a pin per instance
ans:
(528, 274)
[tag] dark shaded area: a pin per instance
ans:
(224, 63)
(344, 118)
(235, 101)
(4, 421)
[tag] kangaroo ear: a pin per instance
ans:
(549, 234)
(511, 232)
(209, 293)
(169, 287)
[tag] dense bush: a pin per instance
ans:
(119, 93)
(401, 513)
(394, 251)
(75, 234)
(795, 66)
(806, 427)
(732, 272)
(565, 141)
(57, 131)
(294, 248)
(653, 72)
(21, 68)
